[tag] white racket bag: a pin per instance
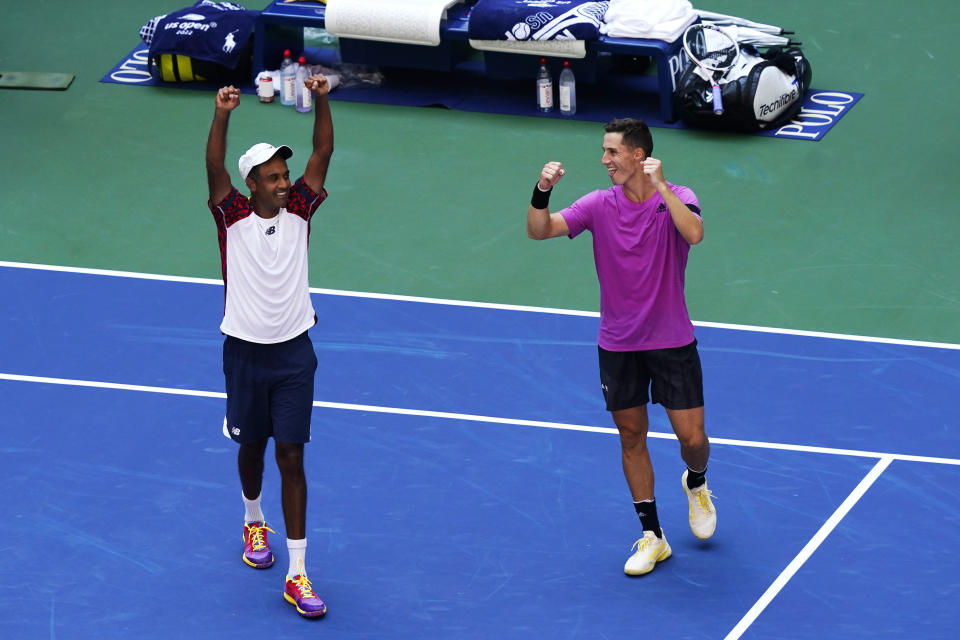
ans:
(760, 91)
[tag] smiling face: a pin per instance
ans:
(270, 185)
(621, 162)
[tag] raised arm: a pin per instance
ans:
(687, 223)
(541, 224)
(316, 172)
(218, 178)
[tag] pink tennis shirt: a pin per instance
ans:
(641, 259)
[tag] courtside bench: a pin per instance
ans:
(280, 26)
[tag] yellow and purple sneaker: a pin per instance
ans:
(256, 549)
(299, 593)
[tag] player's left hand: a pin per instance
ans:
(654, 170)
(318, 84)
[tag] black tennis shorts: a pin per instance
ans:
(673, 376)
(269, 389)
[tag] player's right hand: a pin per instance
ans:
(228, 98)
(318, 85)
(551, 174)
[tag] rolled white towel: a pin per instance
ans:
(648, 19)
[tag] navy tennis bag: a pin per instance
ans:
(761, 91)
(206, 42)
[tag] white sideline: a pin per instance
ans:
(478, 418)
(483, 305)
(808, 550)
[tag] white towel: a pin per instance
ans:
(402, 21)
(648, 19)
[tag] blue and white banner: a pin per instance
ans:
(536, 19)
(820, 111)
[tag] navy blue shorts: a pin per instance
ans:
(269, 389)
(673, 376)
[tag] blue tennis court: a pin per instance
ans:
(464, 478)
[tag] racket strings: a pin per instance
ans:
(712, 47)
(722, 57)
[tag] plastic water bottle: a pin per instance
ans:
(568, 90)
(304, 96)
(288, 79)
(544, 88)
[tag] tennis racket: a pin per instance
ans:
(713, 50)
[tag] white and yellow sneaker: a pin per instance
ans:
(703, 517)
(649, 551)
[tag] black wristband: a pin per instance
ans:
(540, 199)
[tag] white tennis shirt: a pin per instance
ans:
(265, 266)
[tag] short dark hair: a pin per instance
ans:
(635, 132)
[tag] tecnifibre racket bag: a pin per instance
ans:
(761, 91)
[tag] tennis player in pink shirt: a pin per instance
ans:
(642, 228)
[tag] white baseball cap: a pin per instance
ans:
(260, 153)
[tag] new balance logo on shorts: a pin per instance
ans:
(228, 430)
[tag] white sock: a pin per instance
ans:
(298, 551)
(252, 510)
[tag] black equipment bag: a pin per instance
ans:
(761, 91)
(170, 67)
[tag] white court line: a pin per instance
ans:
(112, 385)
(468, 417)
(485, 305)
(808, 550)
